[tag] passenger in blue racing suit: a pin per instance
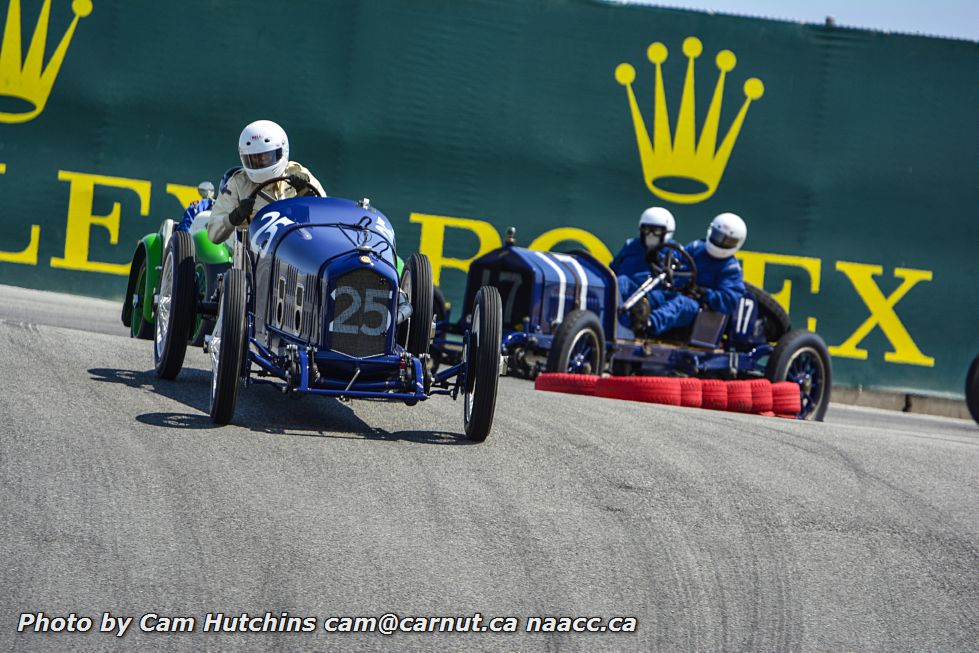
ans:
(206, 190)
(720, 281)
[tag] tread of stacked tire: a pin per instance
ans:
(714, 394)
(691, 392)
(739, 396)
(786, 399)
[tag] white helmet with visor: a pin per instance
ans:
(725, 235)
(264, 150)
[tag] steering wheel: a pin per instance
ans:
(678, 266)
(311, 190)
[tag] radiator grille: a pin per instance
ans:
(293, 306)
(361, 314)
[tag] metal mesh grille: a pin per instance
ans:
(361, 314)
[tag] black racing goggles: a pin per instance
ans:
(722, 240)
(647, 229)
(262, 159)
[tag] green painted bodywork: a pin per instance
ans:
(153, 249)
(207, 252)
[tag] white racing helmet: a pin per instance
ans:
(264, 150)
(725, 235)
(656, 226)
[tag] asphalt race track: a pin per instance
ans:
(716, 531)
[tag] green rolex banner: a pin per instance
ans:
(850, 154)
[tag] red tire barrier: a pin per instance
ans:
(714, 394)
(578, 384)
(739, 396)
(755, 396)
(610, 387)
(786, 398)
(761, 396)
(691, 393)
(649, 389)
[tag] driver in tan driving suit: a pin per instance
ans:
(264, 150)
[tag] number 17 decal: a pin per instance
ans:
(745, 307)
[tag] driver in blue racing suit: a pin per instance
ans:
(656, 226)
(264, 151)
(720, 281)
(206, 190)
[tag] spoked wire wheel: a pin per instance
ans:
(578, 346)
(175, 307)
(802, 358)
(227, 347)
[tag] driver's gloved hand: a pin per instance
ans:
(299, 181)
(639, 317)
(699, 293)
(243, 213)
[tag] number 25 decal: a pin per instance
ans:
(345, 323)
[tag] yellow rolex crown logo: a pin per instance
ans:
(28, 80)
(670, 161)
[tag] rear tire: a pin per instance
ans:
(481, 357)
(801, 357)
(578, 346)
(438, 303)
(228, 347)
(138, 326)
(417, 281)
(438, 306)
(773, 316)
(176, 306)
(972, 389)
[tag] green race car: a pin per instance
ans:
(141, 308)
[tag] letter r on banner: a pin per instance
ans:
(432, 240)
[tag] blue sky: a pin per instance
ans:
(949, 18)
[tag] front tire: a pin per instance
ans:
(417, 282)
(972, 389)
(802, 358)
(481, 357)
(578, 346)
(228, 347)
(176, 306)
